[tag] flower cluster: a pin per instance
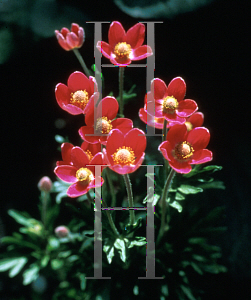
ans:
(114, 142)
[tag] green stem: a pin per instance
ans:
(114, 228)
(130, 197)
(81, 61)
(164, 204)
(121, 87)
(164, 130)
(111, 187)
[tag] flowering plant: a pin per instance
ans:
(90, 184)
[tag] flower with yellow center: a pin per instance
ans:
(89, 154)
(170, 104)
(104, 125)
(122, 50)
(84, 175)
(183, 150)
(124, 156)
(79, 98)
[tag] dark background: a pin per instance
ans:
(209, 47)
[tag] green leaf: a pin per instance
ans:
(57, 264)
(139, 241)
(13, 240)
(196, 268)
(20, 218)
(187, 291)
(59, 139)
(212, 169)
(176, 205)
(188, 189)
(45, 261)
(53, 243)
(19, 265)
(30, 274)
(213, 185)
(109, 251)
(82, 281)
(179, 196)
(120, 245)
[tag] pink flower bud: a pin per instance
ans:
(45, 184)
(62, 231)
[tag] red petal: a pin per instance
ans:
(201, 156)
(174, 118)
(123, 124)
(77, 189)
(176, 134)
(77, 81)
(62, 94)
(81, 37)
(196, 119)
(61, 40)
(158, 88)
(180, 167)
(66, 152)
(186, 108)
(116, 34)
(79, 157)
(93, 87)
(104, 48)
(114, 141)
(120, 62)
(66, 173)
(177, 88)
(87, 134)
(141, 52)
(198, 137)
(72, 109)
(109, 107)
(135, 35)
(166, 150)
(136, 139)
(72, 40)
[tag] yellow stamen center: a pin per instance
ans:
(104, 125)
(122, 50)
(84, 175)
(124, 156)
(189, 126)
(183, 150)
(170, 104)
(89, 154)
(79, 98)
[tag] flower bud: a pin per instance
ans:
(62, 231)
(45, 184)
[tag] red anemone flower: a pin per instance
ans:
(124, 153)
(107, 109)
(90, 149)
(123, 47)
(183, 148)
(81, 172)
(195, 120)
(74, 97)
(169, 101)
(69, 40)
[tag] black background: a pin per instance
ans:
(208, 47)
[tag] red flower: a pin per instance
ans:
(124, 153)
(81, 172)
(196, 120)
(90, 149)
(124, 46)
(75, 97)
(169, 101)
(69, 40)
(183, 148)
(107, 110)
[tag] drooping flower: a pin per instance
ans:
(169, 101)
(124, 153)
(69, 40)
(107, 110)
(45, 184)
(123, 47)
(75, 96)
(81, 172)
(195, 120)
(183, 148)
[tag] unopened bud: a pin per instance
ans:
(45, 184)
(62, 231)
